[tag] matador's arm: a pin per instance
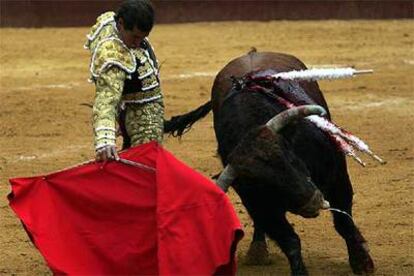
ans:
(109, 86)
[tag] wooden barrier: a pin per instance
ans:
(45, 13)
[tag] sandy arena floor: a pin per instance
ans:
(44, 127)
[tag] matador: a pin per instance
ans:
(125, 72)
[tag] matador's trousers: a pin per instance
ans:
(142, 123)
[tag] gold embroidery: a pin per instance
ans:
(140, 55)
(149, 82)
(145, 122)
(109, 87)
(139, 96)
(100, 30)
(106, 48)
(144, 70)
(112, 52)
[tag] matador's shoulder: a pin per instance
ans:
(106, 48)
(112, 52)
(104, 27)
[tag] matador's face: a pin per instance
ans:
(131, 38)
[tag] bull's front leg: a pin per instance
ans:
(280, 230)
(359, 257)
(358, 252)
(258, 253)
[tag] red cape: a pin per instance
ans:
(112, 218)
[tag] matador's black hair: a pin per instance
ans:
(139, 13)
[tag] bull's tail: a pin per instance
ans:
(178, 125)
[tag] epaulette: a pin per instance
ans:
(103, 21)
(109, 52)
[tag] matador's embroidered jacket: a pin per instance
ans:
(125, 79)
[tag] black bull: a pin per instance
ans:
(278, 165)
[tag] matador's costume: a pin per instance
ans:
(127, 87)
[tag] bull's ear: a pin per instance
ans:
(286, 117)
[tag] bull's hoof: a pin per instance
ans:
(302, 272)
(257, 254)
(360, 260)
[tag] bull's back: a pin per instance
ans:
(257, 61)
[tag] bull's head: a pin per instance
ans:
(266, 157)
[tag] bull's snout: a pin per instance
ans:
(313, 207)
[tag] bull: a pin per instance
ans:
(274, 159)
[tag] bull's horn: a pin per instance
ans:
(226, 178)
(282, 119)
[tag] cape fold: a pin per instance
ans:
(113, 218)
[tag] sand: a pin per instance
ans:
(44, 127)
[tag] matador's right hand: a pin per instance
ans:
(106, 153)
